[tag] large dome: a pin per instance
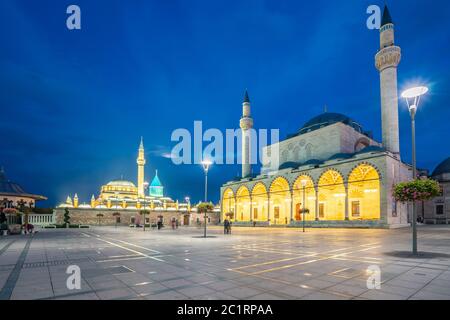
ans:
(329, 118)
(442, 168)
(121, 183)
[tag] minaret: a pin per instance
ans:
(386, 61)
(75, 201)
(246, 124)
(141, 163)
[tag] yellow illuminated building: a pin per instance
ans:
(122, 194)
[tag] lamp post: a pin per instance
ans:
(206, 165)
(145, 191)
(412, 97)
(304, 182)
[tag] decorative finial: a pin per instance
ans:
(141, 145)
(386, 16)
(156, 172)
(246, 98)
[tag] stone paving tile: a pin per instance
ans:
(293, 292)
(194, 291)
(242, 292)
(121, 293)
(324, 296)
(347, 290)
(266, 296)
(381, 295)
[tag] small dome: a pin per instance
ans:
(312, 162)
(370, 149)
(289, 165)
(121, 183)
(329, 118)
(442, 168)
(341, 156)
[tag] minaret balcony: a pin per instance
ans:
(388, 57)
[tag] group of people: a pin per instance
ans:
(227, 226)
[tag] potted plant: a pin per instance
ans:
(205, 207)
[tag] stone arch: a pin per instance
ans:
(243, 199)
(332, 194)
(280, 200)
(228, 204)
(260, 204)
(304, 198)
(364, 192)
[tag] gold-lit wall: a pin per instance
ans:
(331, 198)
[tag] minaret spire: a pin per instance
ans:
(246, 125)
(141, 164)
(386, 17)
(387, 60)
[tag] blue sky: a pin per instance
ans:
(75, 103)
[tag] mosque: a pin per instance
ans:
(125, 195)
(332, 172)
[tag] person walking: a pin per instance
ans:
(226, 225)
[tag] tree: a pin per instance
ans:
(205, 207)
(66, 217)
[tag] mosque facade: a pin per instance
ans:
(332, 172)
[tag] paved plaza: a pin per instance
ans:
(252, 263)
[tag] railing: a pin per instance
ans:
(41, 219)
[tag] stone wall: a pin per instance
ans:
(127, 217)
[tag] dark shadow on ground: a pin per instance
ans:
(199, 237)
(420, 255)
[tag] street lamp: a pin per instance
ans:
(145, 192)
(206, 165)
(412, 97)
(303, 183)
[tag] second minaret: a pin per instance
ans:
(246, 125)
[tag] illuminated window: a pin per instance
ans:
(322, 210)
(276, 210)
(356, 209)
